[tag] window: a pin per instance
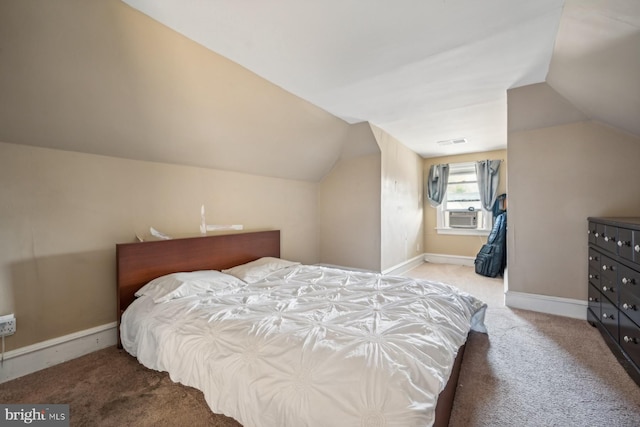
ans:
(461, 211)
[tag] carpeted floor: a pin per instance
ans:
(531, 369)
(534, 369)
(110, 388)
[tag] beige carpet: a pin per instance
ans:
(534, 369)
(530, 370)
(110, 388)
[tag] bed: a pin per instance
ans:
(272, 342)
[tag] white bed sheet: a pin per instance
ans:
(310, 346)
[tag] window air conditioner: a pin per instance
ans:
(463, 219)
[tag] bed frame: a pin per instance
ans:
(138, 263)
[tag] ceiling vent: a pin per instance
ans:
(453, 141)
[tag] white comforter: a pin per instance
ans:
(310, 346)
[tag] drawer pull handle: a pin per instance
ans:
(597, 234)
(606, 267)
(630, 340)
(637, 248)
(594, 299)
(626, 281)
(593, 276)
(607, 316)
(607, 238)
(622, 243)
(607, 288)
(629, 306)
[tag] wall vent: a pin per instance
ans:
(453, 141)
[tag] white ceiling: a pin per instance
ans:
(422, 70)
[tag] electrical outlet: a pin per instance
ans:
(7, 325)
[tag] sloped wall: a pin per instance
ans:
(560, 174)
(349, 203)
(596, 61)
(100, 77)
(371, 213)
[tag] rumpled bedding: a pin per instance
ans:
(310, 346)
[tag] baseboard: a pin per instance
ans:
(32, 358)
(566, 307)
(449, 259)
(404, 266)
(344, 267)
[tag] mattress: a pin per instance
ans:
(310, 346)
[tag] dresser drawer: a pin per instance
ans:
(608, 268)
(625, 243)
(606, 236)
(609, 317)
(629, 245)
(594, 259)
(591, 232)
(630, 338)
(594, 277)
(595, 299)
(631, 307)
(608, 278)
(629, 293)
(629, 280)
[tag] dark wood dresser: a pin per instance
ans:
(614, 287)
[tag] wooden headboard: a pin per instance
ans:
(138, 263)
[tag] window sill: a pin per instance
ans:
(463, 231)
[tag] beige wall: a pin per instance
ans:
(447, 244)
(349, 204)
(559, 176)
(401, 201)
(563, 169)
(371, 213)
(63, 212)
(101, 77)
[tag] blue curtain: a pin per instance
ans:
(437, 184)
(488, 174)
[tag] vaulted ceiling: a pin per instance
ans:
(110, 79)
(428, 71)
